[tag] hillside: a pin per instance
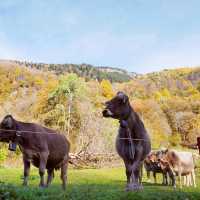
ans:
(167, 101)
(83, 70)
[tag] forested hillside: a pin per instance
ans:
(83, 70)
(167, 101)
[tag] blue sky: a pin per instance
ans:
(137, 35)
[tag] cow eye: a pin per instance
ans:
(107, 103)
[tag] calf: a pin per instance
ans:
(41, 146)
(152, 164)
(132, 143)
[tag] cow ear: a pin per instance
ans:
(8, 121)
(166, 150)
(123, 97)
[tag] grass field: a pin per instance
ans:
(88, 184)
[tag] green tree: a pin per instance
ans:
(69, 88)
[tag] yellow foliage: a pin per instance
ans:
(175, 139)
(106, 89)
(162, 95)
(43, 96)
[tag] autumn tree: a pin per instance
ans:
(106, 89)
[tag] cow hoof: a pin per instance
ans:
(174, 187)
(133, 187)
(42, 186)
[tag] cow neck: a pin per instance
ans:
(18, 134)
(127, 122)
(134, 125)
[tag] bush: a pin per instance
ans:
(175, 140)
(3, 154)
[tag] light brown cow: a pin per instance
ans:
(181, 163)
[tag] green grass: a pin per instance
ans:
(87, 184)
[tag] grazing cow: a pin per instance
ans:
(152, 164)
(181, 163)
(132, 143)
(43, 147)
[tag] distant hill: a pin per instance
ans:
(175, 80)
(83, 70)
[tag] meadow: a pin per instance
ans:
(168, 103)
(88, 184)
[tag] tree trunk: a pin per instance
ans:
(69, 113)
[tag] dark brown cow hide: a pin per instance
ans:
(132, 143)
(43, 147)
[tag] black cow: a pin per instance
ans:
(132, 143)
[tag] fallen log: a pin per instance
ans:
(89, 160)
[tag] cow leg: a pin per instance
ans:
(172, 177)
(154, 176)
(193, 178)
(27, 165)
(180, 181)
(165, 178)
(42, 167)
(188, 178)
(191, 182)
(50, 177)
(141, 174)
(135, 184)
(128, 171)
(185, 180)
(135, 168)
(63, 175)
(148, 176)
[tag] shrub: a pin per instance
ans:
(3, 154)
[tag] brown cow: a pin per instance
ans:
(133, 143)
(41, 146)
(152, 164)
(181, 163)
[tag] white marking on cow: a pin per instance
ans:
(109, 112)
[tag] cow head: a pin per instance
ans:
(163, 159)
(7, 129)
(152, 157)
(118, 107)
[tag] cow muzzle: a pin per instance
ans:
(107, 113)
